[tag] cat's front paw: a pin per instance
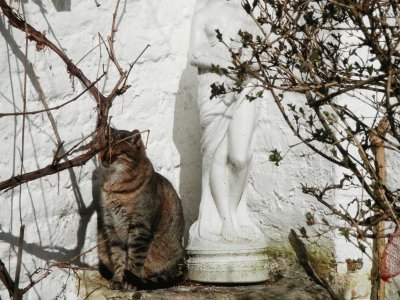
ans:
(116, 285)
(129, 287)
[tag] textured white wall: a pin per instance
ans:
(59, 211)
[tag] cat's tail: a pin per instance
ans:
(158, 280)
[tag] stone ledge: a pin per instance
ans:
(293, 285)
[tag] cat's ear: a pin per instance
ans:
(136, 139)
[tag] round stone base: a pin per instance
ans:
(228, 266)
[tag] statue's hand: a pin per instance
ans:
(227, 98)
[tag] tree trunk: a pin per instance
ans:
(378, 285)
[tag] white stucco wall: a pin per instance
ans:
(61, 223)
(59, 211)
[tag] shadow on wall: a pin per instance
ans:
(50, 252)
(59, 5)
(62, 5)
(186, 136)
(16, 50)
(54, 253)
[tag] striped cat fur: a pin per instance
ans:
(140, 223)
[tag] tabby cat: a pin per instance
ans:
(140, 224)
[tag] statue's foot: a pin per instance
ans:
(228, 233)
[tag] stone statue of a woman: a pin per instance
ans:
(228, 127)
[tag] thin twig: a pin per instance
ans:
(90, 51)
(131, 66)
(23, 121)
(17, 294)
(55, 156)
(105, 44)
(111, 40)
(55, 107)
(74, 149)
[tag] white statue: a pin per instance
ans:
(228, 129)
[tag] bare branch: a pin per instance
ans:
(104, 104)
(6, 278)
(34, 35)
(52, 168)
(135, 61)
(55, 107)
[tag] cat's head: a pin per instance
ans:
(124, 148)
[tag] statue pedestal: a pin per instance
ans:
(227, 266)
(227, 262)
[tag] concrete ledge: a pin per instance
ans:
(288, 284)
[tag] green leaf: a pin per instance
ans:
(219, 35)
(246, 6)
(315, 56)
(275, 157)
(308, 17)
(251, 97)
(260, 94)
(217, 89)
(368, 203)
(310, 121)
(345, 161)
(345, 233)
(334, 152)
(370, 69)
(361, 247)
(218, 70)
(301, 110)
(255, 3)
